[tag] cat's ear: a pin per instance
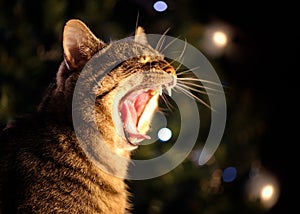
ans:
(140, 36)
(79, 44)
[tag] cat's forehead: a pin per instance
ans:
(133, 48)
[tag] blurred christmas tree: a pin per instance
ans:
(30, 53)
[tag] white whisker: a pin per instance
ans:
(182, 53)
(180, 57)
(161, 40)
(168, 45)
(172, 62)
(178, 67)
(199, 80)
(187, 71)
(189, 84)
(168, 104)
(190, 94)
(193, 89)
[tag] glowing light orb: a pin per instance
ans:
(160, 6)
(267, 192)
(217, 39)
(164, 134)
(229, 174)
(220, 38)
(263, 189)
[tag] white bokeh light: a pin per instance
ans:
(164, 134)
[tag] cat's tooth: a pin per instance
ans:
(169, 90)
(160, 90)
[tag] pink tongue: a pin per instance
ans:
(140, 101)
(129, 115)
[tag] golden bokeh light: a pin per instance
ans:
(267, 192)
(216, 39)
(220, 38)
(263, 189)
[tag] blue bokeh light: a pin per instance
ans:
(229, 174)
(160, 6)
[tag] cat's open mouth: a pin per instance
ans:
(136, 111)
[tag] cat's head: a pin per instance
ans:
(125, 98)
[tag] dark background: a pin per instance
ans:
(259, 66)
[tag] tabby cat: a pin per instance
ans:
(43, 166)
